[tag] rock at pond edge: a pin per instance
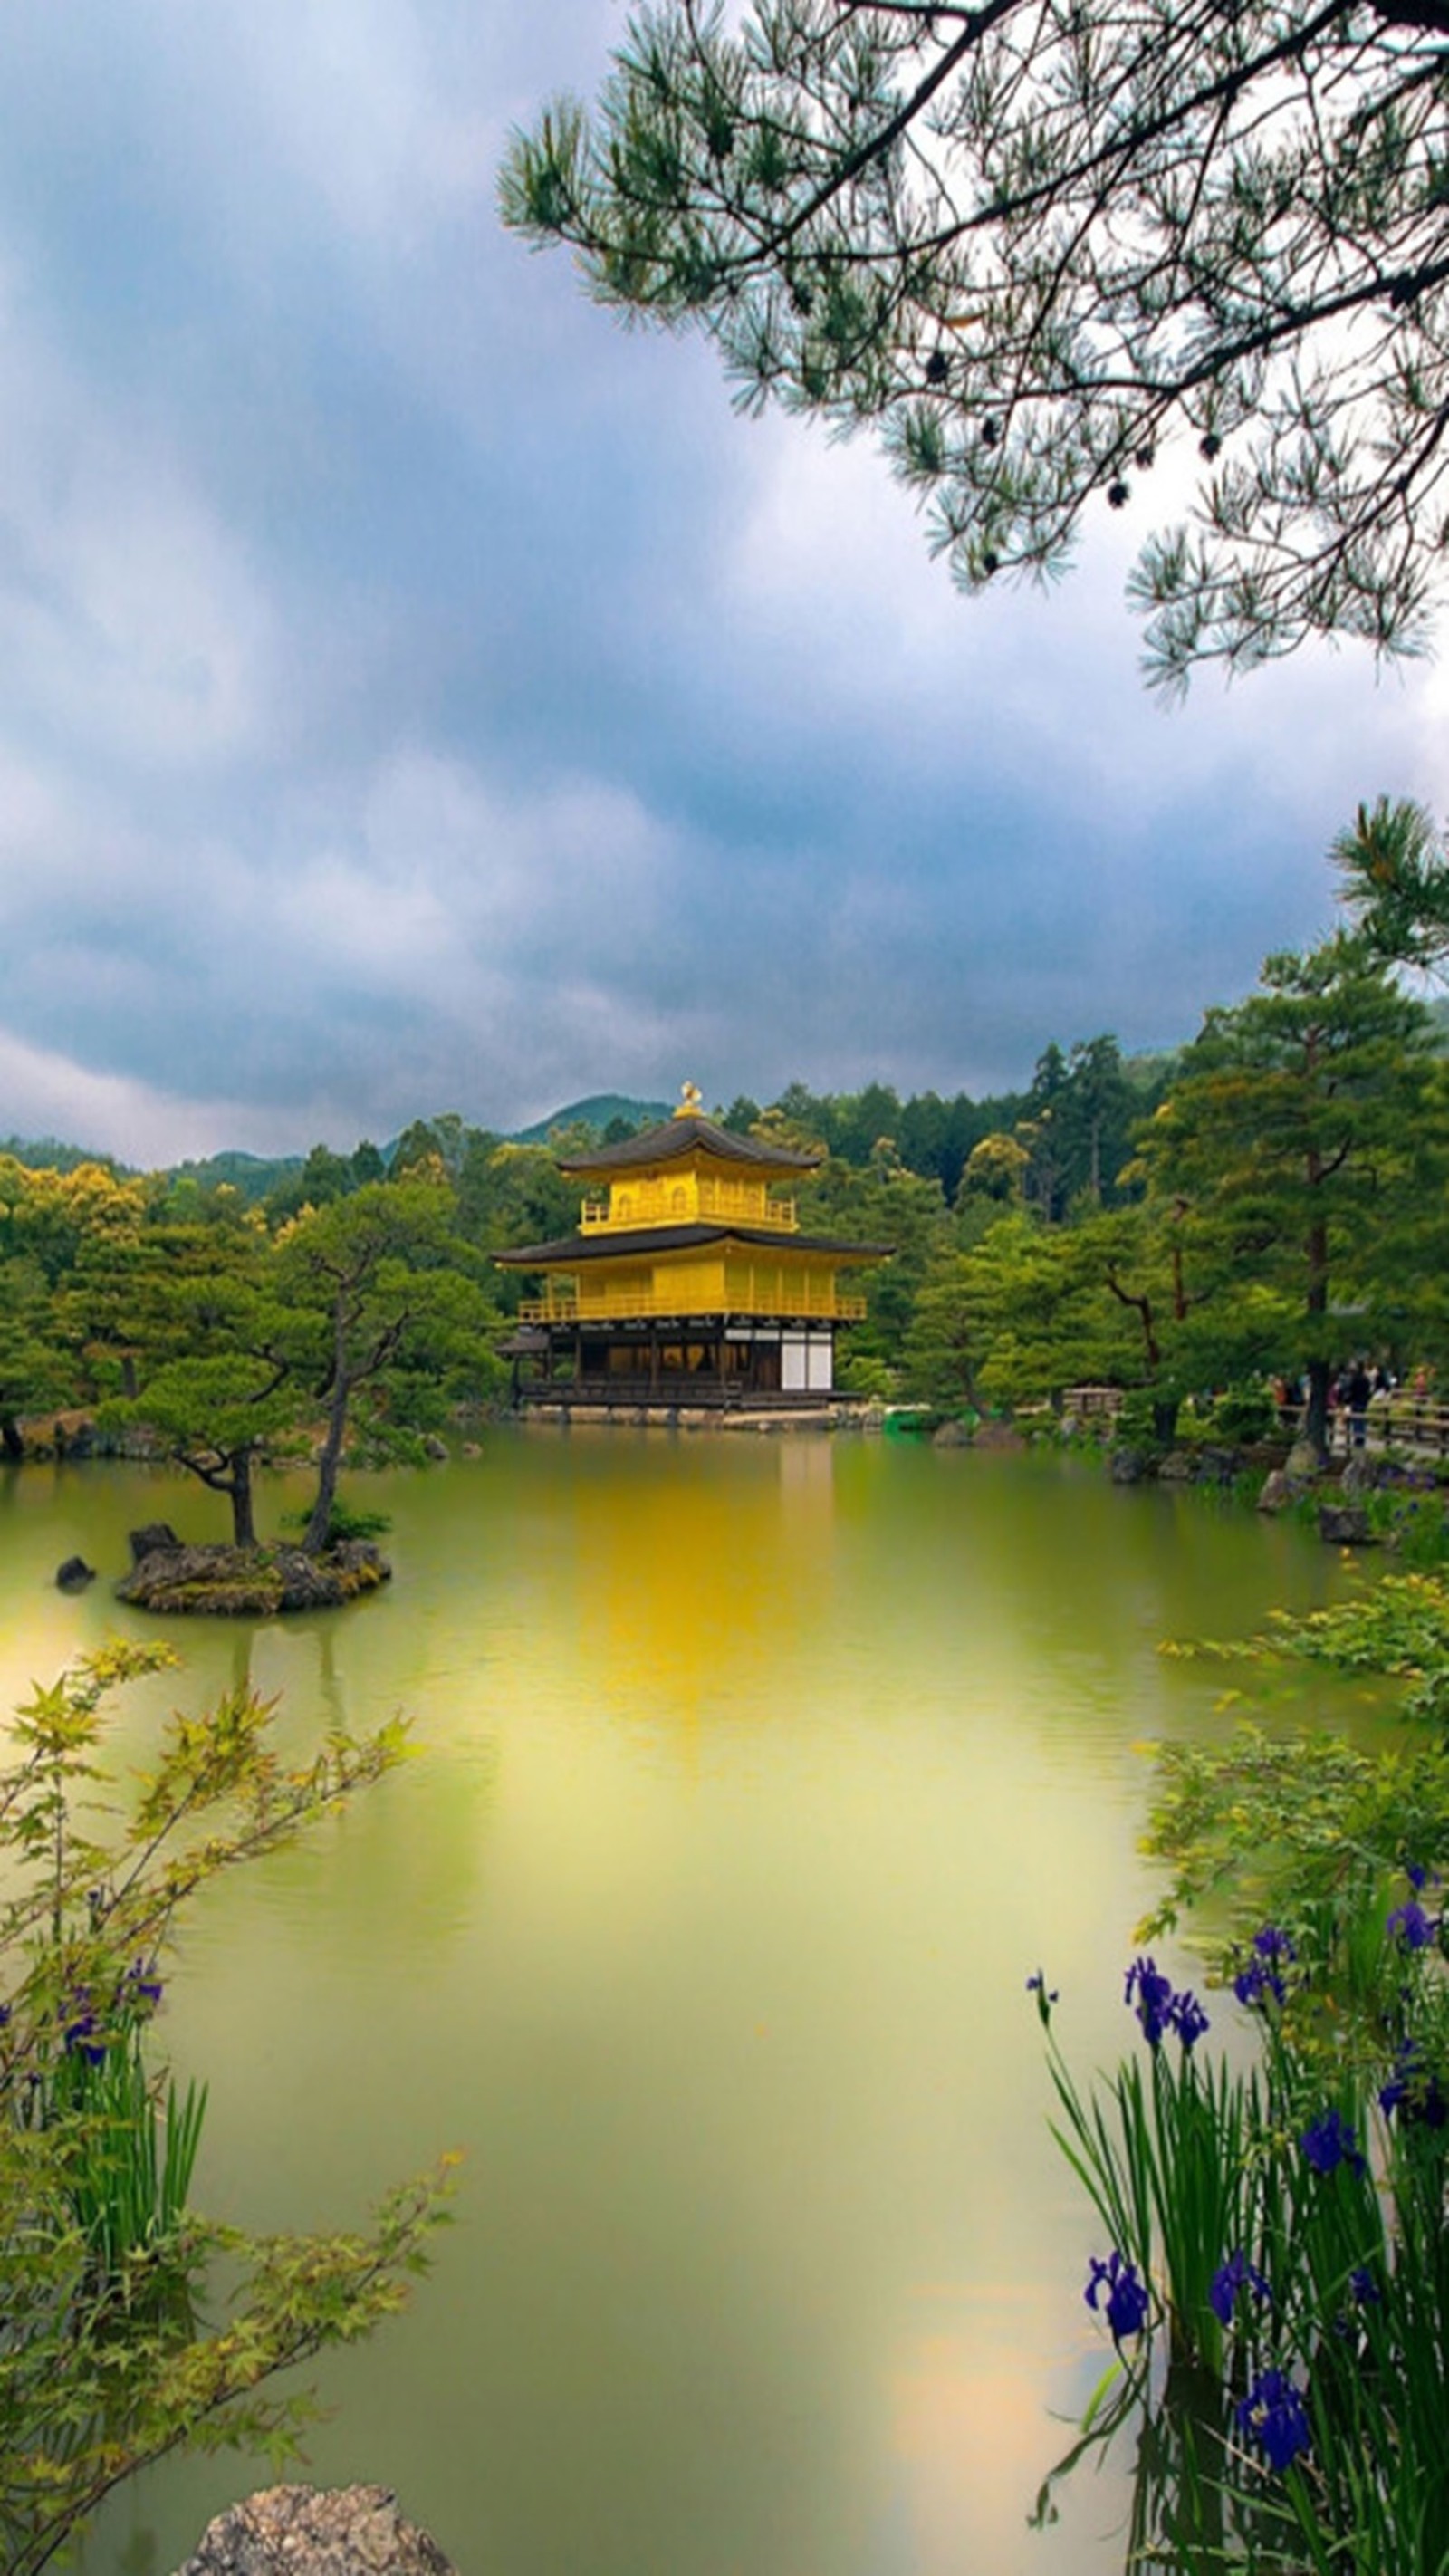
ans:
(1344, 1525)
(316, 2531)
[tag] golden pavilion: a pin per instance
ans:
(688, 1281)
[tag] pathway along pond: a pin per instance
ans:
(756, 1776)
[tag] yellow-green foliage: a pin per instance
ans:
(104, 2363)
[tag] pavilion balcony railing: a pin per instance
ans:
(620, 1305)
(671, 1203)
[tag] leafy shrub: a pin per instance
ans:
(1282, 2232)
(1279, 2233)
(1244, 1414)
(105, 2270)
(344, 1523)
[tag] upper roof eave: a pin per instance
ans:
(676, 1138)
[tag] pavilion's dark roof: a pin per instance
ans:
(675, 1139)
(647, 1239)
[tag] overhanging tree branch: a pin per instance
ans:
(1034, 245)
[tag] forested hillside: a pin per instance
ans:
(1268, 1201)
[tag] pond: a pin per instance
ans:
(756, 1775)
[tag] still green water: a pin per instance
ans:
(756, 1775)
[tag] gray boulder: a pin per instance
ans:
(1179, 1467)
(1216, 1466)
(151, 1540)
(1278, 1492)
(1303, 1465)
(951, 1435)
(74, 1575)
(987, 1434)
(315, 2531)
(1129, 1466)
(1344, 1525)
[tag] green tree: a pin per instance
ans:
(194, 1314)
(996, 1168)
(34, 1369)
(216, 1412)
(372, 1282)
(1395, 881)
(1305, 1141)
(1023, 1314)
(741, 1116)
(443, 1141)
(1040, 247)
(1096, 1121)
(884, 1204)
(324, 1176)
(512, 1194)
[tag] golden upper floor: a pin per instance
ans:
(696, 1192)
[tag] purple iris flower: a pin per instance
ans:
(1411, 1925)
(139, 1992)
(1188, 2019)
(1329, 2142)
(1231, 2277)
(1366, 2291)
(1160, 2010)
(1414, 2091)
(83, 2038)
(1150, 1995)
(1274, 2416)
(1124, 2290)
(1273, 1951)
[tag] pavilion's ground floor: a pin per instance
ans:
(702, 1360)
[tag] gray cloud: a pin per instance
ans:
(422, 693)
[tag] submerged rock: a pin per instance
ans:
(316, 2531)
(74, 1575)
(251, 1582)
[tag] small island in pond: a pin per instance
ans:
(246, 1582)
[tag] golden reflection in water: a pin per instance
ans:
(695, 1595)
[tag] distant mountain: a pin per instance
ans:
(48, 1154)
(595, 1112)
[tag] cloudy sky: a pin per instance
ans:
(422, 693)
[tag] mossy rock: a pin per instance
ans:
(252, 1582)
